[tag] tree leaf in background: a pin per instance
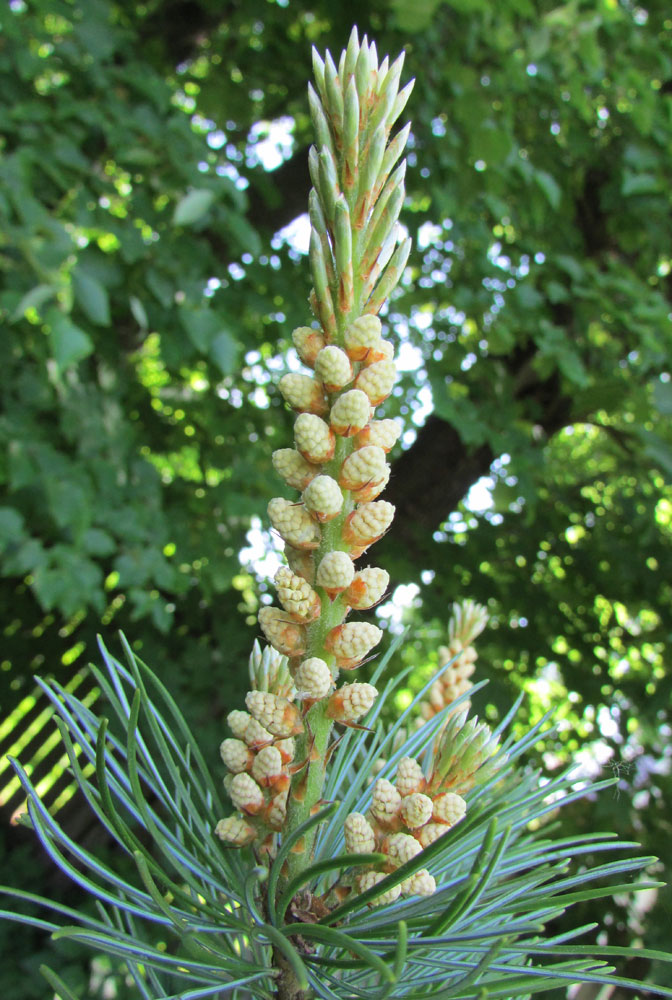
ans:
(489, 143)
(70, 581)
(224, 352)
(633, 184)
(201, 325)
(662, 397)
(11, 527)
(33, 299)
(243, 233)
(550, 187)
(92, 297)
(70, 343)
(571, 266)
(193, 206)
(98, 542)
(139, 312)
(658, 449)
(416, 16)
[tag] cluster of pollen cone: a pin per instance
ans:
(467, 621)
(338, 463)
(405, 817)
(339, 459)
(301, 683)
(409, 814)
(260, 753)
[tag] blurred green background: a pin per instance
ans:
(153, 180)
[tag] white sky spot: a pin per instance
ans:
(292, 361)
(270, 143)
(282, 361)
(591, 759)
(409, 358)
(607, 725)
(228, 170)
(479, 497)
(428, 233)
(263, 554)
(422, 320)
(393, 610)
(297, 234)
(426, 401)
(260, 399)
(216, 139)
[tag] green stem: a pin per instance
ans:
(307, 786)
(313, 744)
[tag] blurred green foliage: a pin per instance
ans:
(147, 291)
